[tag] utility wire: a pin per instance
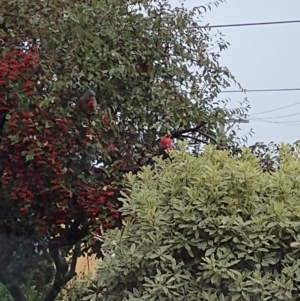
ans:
(278, 109)
(261, 90)
(248, 24)
(283, 122)
(277, 117)
(270, 121)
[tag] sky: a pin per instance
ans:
(261, 57)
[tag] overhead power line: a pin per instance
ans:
(278, 109)
(270, 121)
(283, 122)
(261, 90)
(249, 24)
(277, 117)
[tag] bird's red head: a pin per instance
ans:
(166, 143)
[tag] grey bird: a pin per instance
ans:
(88, 103)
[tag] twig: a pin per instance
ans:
(72, 50)
(208, 136)
(194, 138)
(178, 134)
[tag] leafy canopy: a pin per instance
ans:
(153, 72)
(214, 227)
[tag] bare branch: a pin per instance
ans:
(208, 136)
(194, 138)
(177, 134)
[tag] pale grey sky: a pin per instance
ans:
(262, 57)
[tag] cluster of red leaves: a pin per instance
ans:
(36, 149)
(14, 64)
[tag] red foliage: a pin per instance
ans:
(37, 145)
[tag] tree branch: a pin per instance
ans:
(61, 276)
(177, 134)
(2, 121)
(208, 136)
(194, 138)
(75, 256)
(77, 231)
(60, 263)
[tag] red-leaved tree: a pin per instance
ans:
(44, 195)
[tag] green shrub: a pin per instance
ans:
(4, 294)
(75, 289)
(209, 228)
(30, 293)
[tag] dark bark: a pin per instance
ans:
(2, 121)
(62, 277)
(178, 134)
